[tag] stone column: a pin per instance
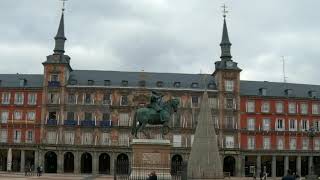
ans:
(299, 165)
(258, 165)
(310, 164)
(77, 163)
(95, 163)
(22, 162)
(274, 166)
(36, 159)
(286, 164)
(60, 162)
(9, 160)
(112, 159)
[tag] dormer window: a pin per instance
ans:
(263, 91)
(124, 83)
(288, 92)
(107, 82)
(159, 84)
(90, 82)
(312, 94)
(142, 83)
(177, 84)
(195, 85)
(73, 82)
(23, 82)
(211, 86)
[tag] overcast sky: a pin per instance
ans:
(180, 36)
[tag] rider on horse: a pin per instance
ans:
(156, 102)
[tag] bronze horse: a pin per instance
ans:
(144, 116)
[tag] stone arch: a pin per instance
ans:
(86, 163)
(50, 162)
(122, 165)
(68, 162)
(229, 165)
(104, 163)
(176, 164)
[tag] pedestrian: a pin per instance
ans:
(41, 170)
(261, 175)
(38, 171)
(288, 176)
(26, 171)
(152, 176)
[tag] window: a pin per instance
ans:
(4, 135)
(263, 91)
(280, 125)
(304, 108)
(88, 99)
(51, 137)
(123, 139)
(70, 116)
(191, 139)
(229, 142)
(266, 142)
(292, 125)
(251, 142)
(316, 124)
(16, 136)
(176, 84)
(315, 108)
(88, 116)
(22, 82)
(229, 103)
(73, 81)
(195, 85)
(32, 98)
(266, 124)
(17, 115)
(31, 115)
(142, 83)
(124, 83)
(123, 119)
(5, 98)
(69, 137)
(159, 83)
(250, 106)
(106, 99)
(53, 98)
(293, 143)
(106, 139)
(176, 140)
(87, 138)
(54, 77)
(107, 82)
(90, 82)
(29, 138)
(229, 122)
(124, 101)
(305, 144)
(18, 98)
(279, 107)
(304, 125)
(213, 102)
(106, 116)
(265, 107)
(251, 124)
(53, 115)
(4, 116)
(71, 99)
(228, 85)
(317, 144)
(292, 108)
(194, 101)
(280, 143)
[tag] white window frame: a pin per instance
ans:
(251, 123)
(177, 140)
(32, 98)
(292, 108)
(213, 102)
(124, 119)
(265, 107)
(280, 143)
(315, 108)
(278, 123)
(316, 143)
(305, 143)
(28, 138)
(251, 142)
(31, 117)
(293, 143)
(106, 139)
(279, 107)
(250, 106)
(17, 136)
(69, 137)
(17, 115)
(266, 142)
(18, 98)
(266, 124)
(4, 135)
(4, 115)
(304, 124)
(304, 108)
(229, 142)
(293, 122)
(5, 98)
(87, 138)
(51, 137)
(229, 85)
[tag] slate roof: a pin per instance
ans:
(277, 89)
(13, 80)
(133, 78)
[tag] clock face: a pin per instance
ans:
(229, 64)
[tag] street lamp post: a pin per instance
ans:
(311, 176)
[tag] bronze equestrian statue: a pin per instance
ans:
(156, 113)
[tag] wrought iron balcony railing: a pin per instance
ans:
(88, 123)
(106, 123)
(53, 84)
(70, 122)
(52, 122)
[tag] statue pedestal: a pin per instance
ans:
(150, 155)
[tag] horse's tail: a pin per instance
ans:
(134, 124)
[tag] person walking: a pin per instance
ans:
(153, 176)
(288, 176)
(38, 171)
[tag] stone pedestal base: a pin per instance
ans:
(150, 155)
(311, 177)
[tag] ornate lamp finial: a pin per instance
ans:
(224, 11)
(63, 4)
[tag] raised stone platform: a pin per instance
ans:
(151, 155)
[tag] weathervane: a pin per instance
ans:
(224, 11)
(63, 4)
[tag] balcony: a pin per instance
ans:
(70, 122)
(106, 123)
(53, 84)
(87, 123)
(51, 122)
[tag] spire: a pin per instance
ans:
(225, 43)
(60, 38)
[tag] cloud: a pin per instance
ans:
(165, 36)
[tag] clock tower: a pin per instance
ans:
(227, 78)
